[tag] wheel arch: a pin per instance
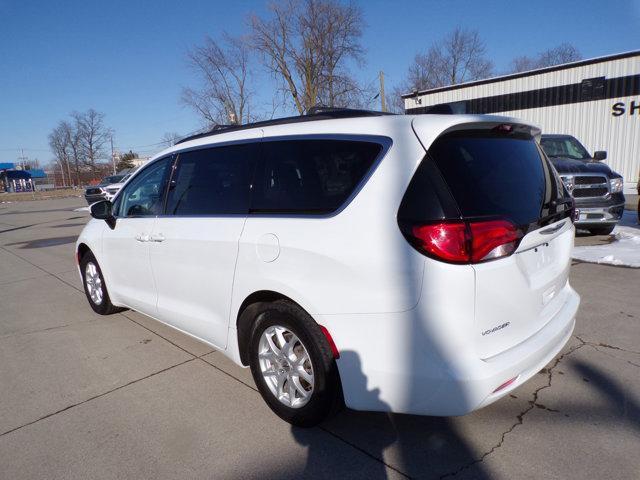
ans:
(82, 250)
(246, 316)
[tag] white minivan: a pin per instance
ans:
(413, 264)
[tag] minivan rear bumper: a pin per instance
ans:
(407, 366)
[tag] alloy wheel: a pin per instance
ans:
(94, 283)
(286, 366)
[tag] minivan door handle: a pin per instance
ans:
(142, 237)
(549, 231)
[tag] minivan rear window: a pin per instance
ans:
(493, 175)
(310, 176)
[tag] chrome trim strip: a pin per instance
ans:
(549, 231)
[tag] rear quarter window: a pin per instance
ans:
(310, 176)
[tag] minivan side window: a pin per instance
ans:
(212, 181)
(310, 176)
(144, 195)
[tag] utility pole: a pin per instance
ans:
(22, 159)
(113, 156)
(383, 100)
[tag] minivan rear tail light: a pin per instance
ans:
(466, 242)
(493, 239)
(445, 240)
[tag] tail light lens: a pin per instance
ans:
(466, 242)
(493, 239)
(445, 240)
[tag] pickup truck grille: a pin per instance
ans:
(112, 191)
(590, 186)
(590, 192)
(589, 180)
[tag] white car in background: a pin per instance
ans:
(112, 189)
(414, 264)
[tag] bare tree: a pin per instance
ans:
(338, 30)
(64, 141)
(81, 143)
(563, 53)
(223, 67)
(59, 144)
(72, 134)
(308, 46)
(169, 139)
(93, 136)
(523, 64)
(459, 57)
(396, 103)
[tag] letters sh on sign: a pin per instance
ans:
(620, 108)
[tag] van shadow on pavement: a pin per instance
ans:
(409, 446)
(429, 445)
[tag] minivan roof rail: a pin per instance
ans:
(314, 113)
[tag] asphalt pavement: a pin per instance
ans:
(84, 396)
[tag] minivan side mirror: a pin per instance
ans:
(103, 210)
(599, 155)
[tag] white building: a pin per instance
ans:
(596, 101)
(140, 161)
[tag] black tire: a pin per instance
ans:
(601, 230)
(326, 396)
(104, 307)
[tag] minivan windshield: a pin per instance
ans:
(495, 175)
(567, 147)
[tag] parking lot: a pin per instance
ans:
(84, 396)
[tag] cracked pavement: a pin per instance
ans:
(84, 396)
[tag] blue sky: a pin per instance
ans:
(127, 58)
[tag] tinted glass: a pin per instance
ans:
(111, 179)
(494, 175)
(144, 195)
(212, 181)
(567, 147)
(427, 198)
(310, 176)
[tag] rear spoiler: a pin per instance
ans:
(429, 127)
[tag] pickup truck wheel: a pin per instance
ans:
(601, 230)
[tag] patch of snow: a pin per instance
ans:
(624, 250)
(82, 209)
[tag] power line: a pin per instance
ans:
(383, 100)
(150, 145)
